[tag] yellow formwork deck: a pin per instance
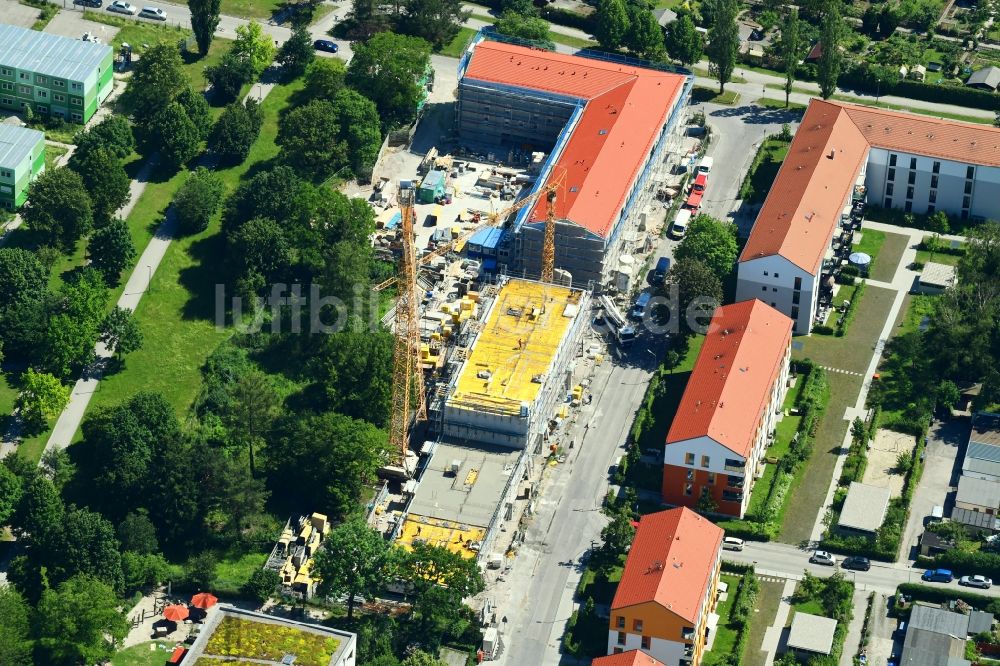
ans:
(518, 343)
(454, 536)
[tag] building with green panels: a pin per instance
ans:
(54, 75)
(22, 158)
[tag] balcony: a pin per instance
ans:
(732, 496)
(737, 466)
(688, 651)
(735, 482)
(687, 634)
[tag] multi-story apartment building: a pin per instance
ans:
(630, 658)
(22, 159)
(729, 410)
(899, 160)
(668, 588)
(609, 129)
(53, 75)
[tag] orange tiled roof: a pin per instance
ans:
(804, 204)
(731, 381)
(671, 562)
(630, 658)
(625, 109)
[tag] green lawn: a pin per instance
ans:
(700, 70)
(892, 251)
(569, 40)
(456, 46)
(702, 94)
(870, 244)
(143, 654)
(771, 154)
(194, 65)
(8, 395)
(139, 34)
(725, 635)
(853, 353)
(52, 154)
(233, 571)
(774, 103)
(767, 608)
(923, 256)
(46, 13)
(668, 398)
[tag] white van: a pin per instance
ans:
(680, 224)
(732, 543)
(705, 165)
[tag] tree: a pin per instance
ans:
(204, 21)
(59, 209)
(23, 301)
(698, 286)
(253, 45)
(644, 37)
(310, 451)
(706, 504)
(723, 40)
(421, 658)
(436, 21)
(10, 495)
(684, 43)
(712, 242)
(85, 543)
(39, 510)
(198, 199)
(253, 410)
(157, 78)
(175, 496)
(352, 562)
(42, 397)
(859, 431)
(353, 369)
(366, 19)
(120, 333)
(938, 222)
(297, 52)
(360, 129)
(525, 26)
(830, 59)
(196, 107)
(617, 536)
(789, 48)
(259, 252)
(611, 24)
(310, 141)
(947, 394)
(137, 534)
(178, 137)
(69, 337)
(324, 78)
(75, 621)
(143, 569)
(888, 20)
(114, 134)
(105, 180)
(428, 567)
(386, 69)
(111, 250)
(904, 461)
(229, 76)
(262, 584)
(200, 570)
(15, 630)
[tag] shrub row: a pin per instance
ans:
(939, 595)
(844, 322)
(959, 96)
(941, 248)
(967, 563)
(742, 611)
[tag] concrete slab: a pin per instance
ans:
(70, 23)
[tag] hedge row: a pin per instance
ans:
(742, 611)
(940, 595)
(959, 96)
(964, 563)
(844, 322)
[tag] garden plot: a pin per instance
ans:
(883, 469)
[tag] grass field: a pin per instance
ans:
(923, 256)
(702, 94)
(767, 608)
(851, 353)
(456, 46)
(151, 653)
(892, 251)
(772, 154)
(570, 40)
(139, 33)
(725, 636)
(668, 398)
(52, 155)
(774, 103)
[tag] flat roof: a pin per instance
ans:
(978, 519)
(865, 507)
(939, 621)
(51, 55)
(625, 109)
(980, 492)
(937, 275)
(929, 648)
(671, 562)
(230, 632)
(731, 381)
(986, 431)
(812, 633)
(16, 143)
(517, 344)
(453, 509)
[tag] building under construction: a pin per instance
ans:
(611, 130)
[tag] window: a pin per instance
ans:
(773, 304)
(58, 83)
(620, 622)
(6, 173)
(776, 275)
(774, 289)
(688, 489)
(888, 190)
(43, 109)
(8, 86)
(645, 642)
(888, 202)
(76, 101)
(796, 296)
(798, 283)
(911, 178)
(43, 94)
(705, 461)
(690, 475)
(24, 76)
(765, 273)
(764, 288)
(932, 196)
(40, 80)
(965, 214)
(909, 192)
(617, 650)
(908, 207)
(59, 98)
(968, 187)
(966, 202)
(621, 638)
(930, 209)
(934, 182)
(892, 174)
(688, 458)
(76, 86)
(795, 312)
(970, 172)
(936, 168)
(7, 100)
(76, 116)
(6, 71)
(637, 626)
(892, 160)
(913, 162)
(24, 90)
(711, 480)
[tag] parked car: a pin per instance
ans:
(122, 7)
(89, 3)
(976, 581)
(325, 45)
(732, 543)
(662, 267)
(154, 13)
(857, 563)
(938, 576)
(824, 558)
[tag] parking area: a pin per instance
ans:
(20, 15)
(70, 23)
(945, 443)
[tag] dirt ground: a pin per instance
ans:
(882, 460)
(69, 23)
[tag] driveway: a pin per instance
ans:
(942, 467)
(881, 645)
(71, 24)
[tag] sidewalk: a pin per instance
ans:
(853, 638)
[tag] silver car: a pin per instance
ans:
(154, 13)
(824, 558)
(976, 581)
(122, 7)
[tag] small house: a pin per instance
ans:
(932, 543)
(918, 73)
(811, 635)
(987, 78)
(935, 278)
(980, 495)
(864, 509)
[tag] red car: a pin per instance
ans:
(700, 182)
(694, 200)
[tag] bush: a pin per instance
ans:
(823, 329)
(939, 595)
(261, 585)
(847, 280)
(197, 200)
(844, 322)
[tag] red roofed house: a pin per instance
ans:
(915, 163)
(729, 409)
(607, 127)
(667, 593)
(630, 658)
